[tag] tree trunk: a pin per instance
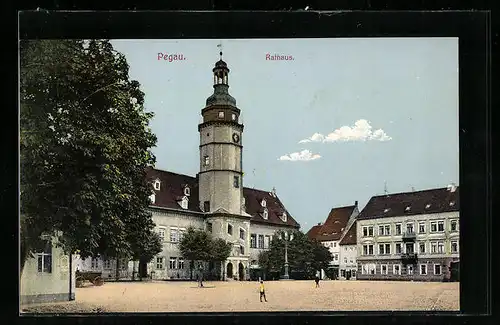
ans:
(117, 271)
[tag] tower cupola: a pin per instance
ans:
(221, 85)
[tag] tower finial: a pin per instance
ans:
(220, 46)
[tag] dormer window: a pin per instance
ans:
(452, 203)
(263, 203)
(427, 206)
(157, 184)
(265, 214)
(152, 197)
(283, 217)
(184, 202)
(408, 208)
(187, 191)
(221, 114)
(386, 210)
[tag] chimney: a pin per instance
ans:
(274, 191)
(356, 203)
(319, 223)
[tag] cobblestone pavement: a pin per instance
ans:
(162, 296)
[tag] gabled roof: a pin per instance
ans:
(437, 200)
(172, 189)
(350, 236)
(335, 224)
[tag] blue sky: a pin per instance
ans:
(381, 109)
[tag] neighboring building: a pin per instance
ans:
(48, 276)
(409, 236)
(330, 233)
(214, 200)
(348, 252)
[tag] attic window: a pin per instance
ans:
(187, 191)
(408, 208)
(184, 202)
(152, 197)
(283, 217)
(265, 214)
(157, 185)
(452, 203)
(386, 210)
(427, 206)
(263, 203)
(336, 221)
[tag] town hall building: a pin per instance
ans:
(215, 200)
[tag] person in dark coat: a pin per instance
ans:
(316, 279)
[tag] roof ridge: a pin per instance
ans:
(411, 192)
(167, 171)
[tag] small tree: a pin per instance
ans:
(220, 251)
(145, 247)
(195, 245)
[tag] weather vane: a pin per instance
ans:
(220, 47)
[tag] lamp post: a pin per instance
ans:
(286, 276)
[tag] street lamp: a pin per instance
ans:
(286, 238)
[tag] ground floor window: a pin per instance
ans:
(181, 263)
(44, 258)
(437, 269)
(172, 263)
(383, 269)
(107, 264)
(423, 269)
(159, 263)
(342, 273)
(94, 264)
(396, 269)
(409, 270)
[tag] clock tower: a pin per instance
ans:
(221, 169)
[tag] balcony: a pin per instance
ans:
(409, 258)
(409, 236)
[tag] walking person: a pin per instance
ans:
(316, 279)
(262, 291)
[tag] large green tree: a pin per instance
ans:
(85, 145)
(304, 255)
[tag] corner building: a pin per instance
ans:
(214, 200)
(409, 236)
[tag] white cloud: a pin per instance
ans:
(304, 155)
(361, 131)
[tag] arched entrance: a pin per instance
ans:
(241, 271)
(229, 270)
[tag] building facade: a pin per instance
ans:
(409, 236)
(215, 199)
(48, 276)
(348, 252)
(330, 233)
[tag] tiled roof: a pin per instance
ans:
(335, 224)
(438, 200)
(312, 233)
(350, 236)
(172, 190)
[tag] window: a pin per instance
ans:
(229, 229)
(152, 197)
(396, 269)
(209, 227)
(94, 263)
(263, 203)
(440, 226)
(421, 227)
(351, 261)
(253, 241)
(336, 257)
(384, 249)
(398, 248)
(342, 273)
(267, 240)
(383, 269)
(172, 263)
(422, 248)
(181, 233)
(261, 241)
(44, 258)
(454, 247)
(387, 230)
(345, 260)
(368, 231)
(387, 248)
(398, 229)
(206, 160)
(381, 249)
(334, 244)
(233, 117)
(409, 270)
(184, 202)
(157, 185)
(410, 249)
(423, 269)
(181, 263)
(242, 234)
(206, 206)
(221, 114)
(159, 263)
(453, 225)
(434, 247)
(236, 182)
(107, 264)
(433, 226)
(368, 249)
(242, 250)
(283, 217)
(174, 235)
(409, 228)
(161, 233)
(124, 264)
(187, 191)
(380, 230)
(437, 269)
(265, 214)
(408, 208)
(441, 248)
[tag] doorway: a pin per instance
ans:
(241, 271)
(229, 270)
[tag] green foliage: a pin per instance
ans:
(304, 255)
(85, 144)
(198, 245)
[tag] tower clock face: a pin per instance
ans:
(236, 138)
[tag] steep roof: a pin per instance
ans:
(312, 233)
(172, 190)
(335, 224)
(437, 200)
(350, 236)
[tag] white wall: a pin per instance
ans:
(347, 252)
